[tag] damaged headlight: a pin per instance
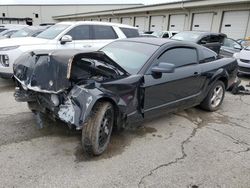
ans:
(54, 99)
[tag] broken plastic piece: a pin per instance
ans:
(39, 120)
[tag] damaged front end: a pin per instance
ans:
(64, 84)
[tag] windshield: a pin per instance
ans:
(53, 31)
(247, 48)
(186, 36)
(131, 56)
(21, 33)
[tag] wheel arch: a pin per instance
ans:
(224, 80)
(221, 75)
(115, 106)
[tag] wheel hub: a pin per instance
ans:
(217, 96)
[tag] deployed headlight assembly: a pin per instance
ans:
(8, 48)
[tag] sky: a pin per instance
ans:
(83, 1)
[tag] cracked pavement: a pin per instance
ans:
(189, 149)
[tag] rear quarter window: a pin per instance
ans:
(104, 32)
(130, 33)
(208, 55)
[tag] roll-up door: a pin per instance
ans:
(104, 20)
(202, 21)
(177, 22)
(114, 20)
(234, 24)
(141, 23)
(156, 23)
(127, 21)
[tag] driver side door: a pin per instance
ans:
(167, 91)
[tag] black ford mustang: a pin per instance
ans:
(125, 81)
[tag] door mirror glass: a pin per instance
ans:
(163, 68)
(237, 46)
(65, 39)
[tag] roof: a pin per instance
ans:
(159, 41)
(97, 23)
(149, 40)
(202, 33)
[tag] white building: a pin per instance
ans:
(44, 13)
(227, 16)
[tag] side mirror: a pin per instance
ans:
(163, 68)
(237, 46)
(65, 39)
(203, 42)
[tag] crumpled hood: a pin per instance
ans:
(22, 41)
(244, 54)
(53, 71)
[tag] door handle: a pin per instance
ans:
(196, 74)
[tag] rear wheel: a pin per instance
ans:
(215, 97)
(97, 130)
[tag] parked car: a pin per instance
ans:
(243, 42)
(123, 82)
(148, 35)
(7, 33)
(82, 35)
(210, 40)
(243, 58)
(229, 47)
(31, 31)
(165, 34)
(4, 27)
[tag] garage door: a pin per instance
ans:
(156, 23)
(202, 22)
(234, 24)
(127, 21)
(141, 23)
(104, 20)
(115, 20)
(177, 22)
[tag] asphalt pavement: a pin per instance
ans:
(191, 148)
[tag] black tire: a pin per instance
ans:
(97, 130)
(207, 103)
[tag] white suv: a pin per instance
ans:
(83, 35)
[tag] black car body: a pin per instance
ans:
(210, 40)
(138, 77)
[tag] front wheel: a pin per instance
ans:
(97, 130)
(214, 98)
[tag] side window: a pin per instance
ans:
(130, 33)
(230, 43)
(104, 32)
(81, 32)
(204, 40)
(165, 35)
(179, 56)
(214, 39)
(208, 55)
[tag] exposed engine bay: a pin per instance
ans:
(67, 85)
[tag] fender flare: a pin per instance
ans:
(220, 74)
